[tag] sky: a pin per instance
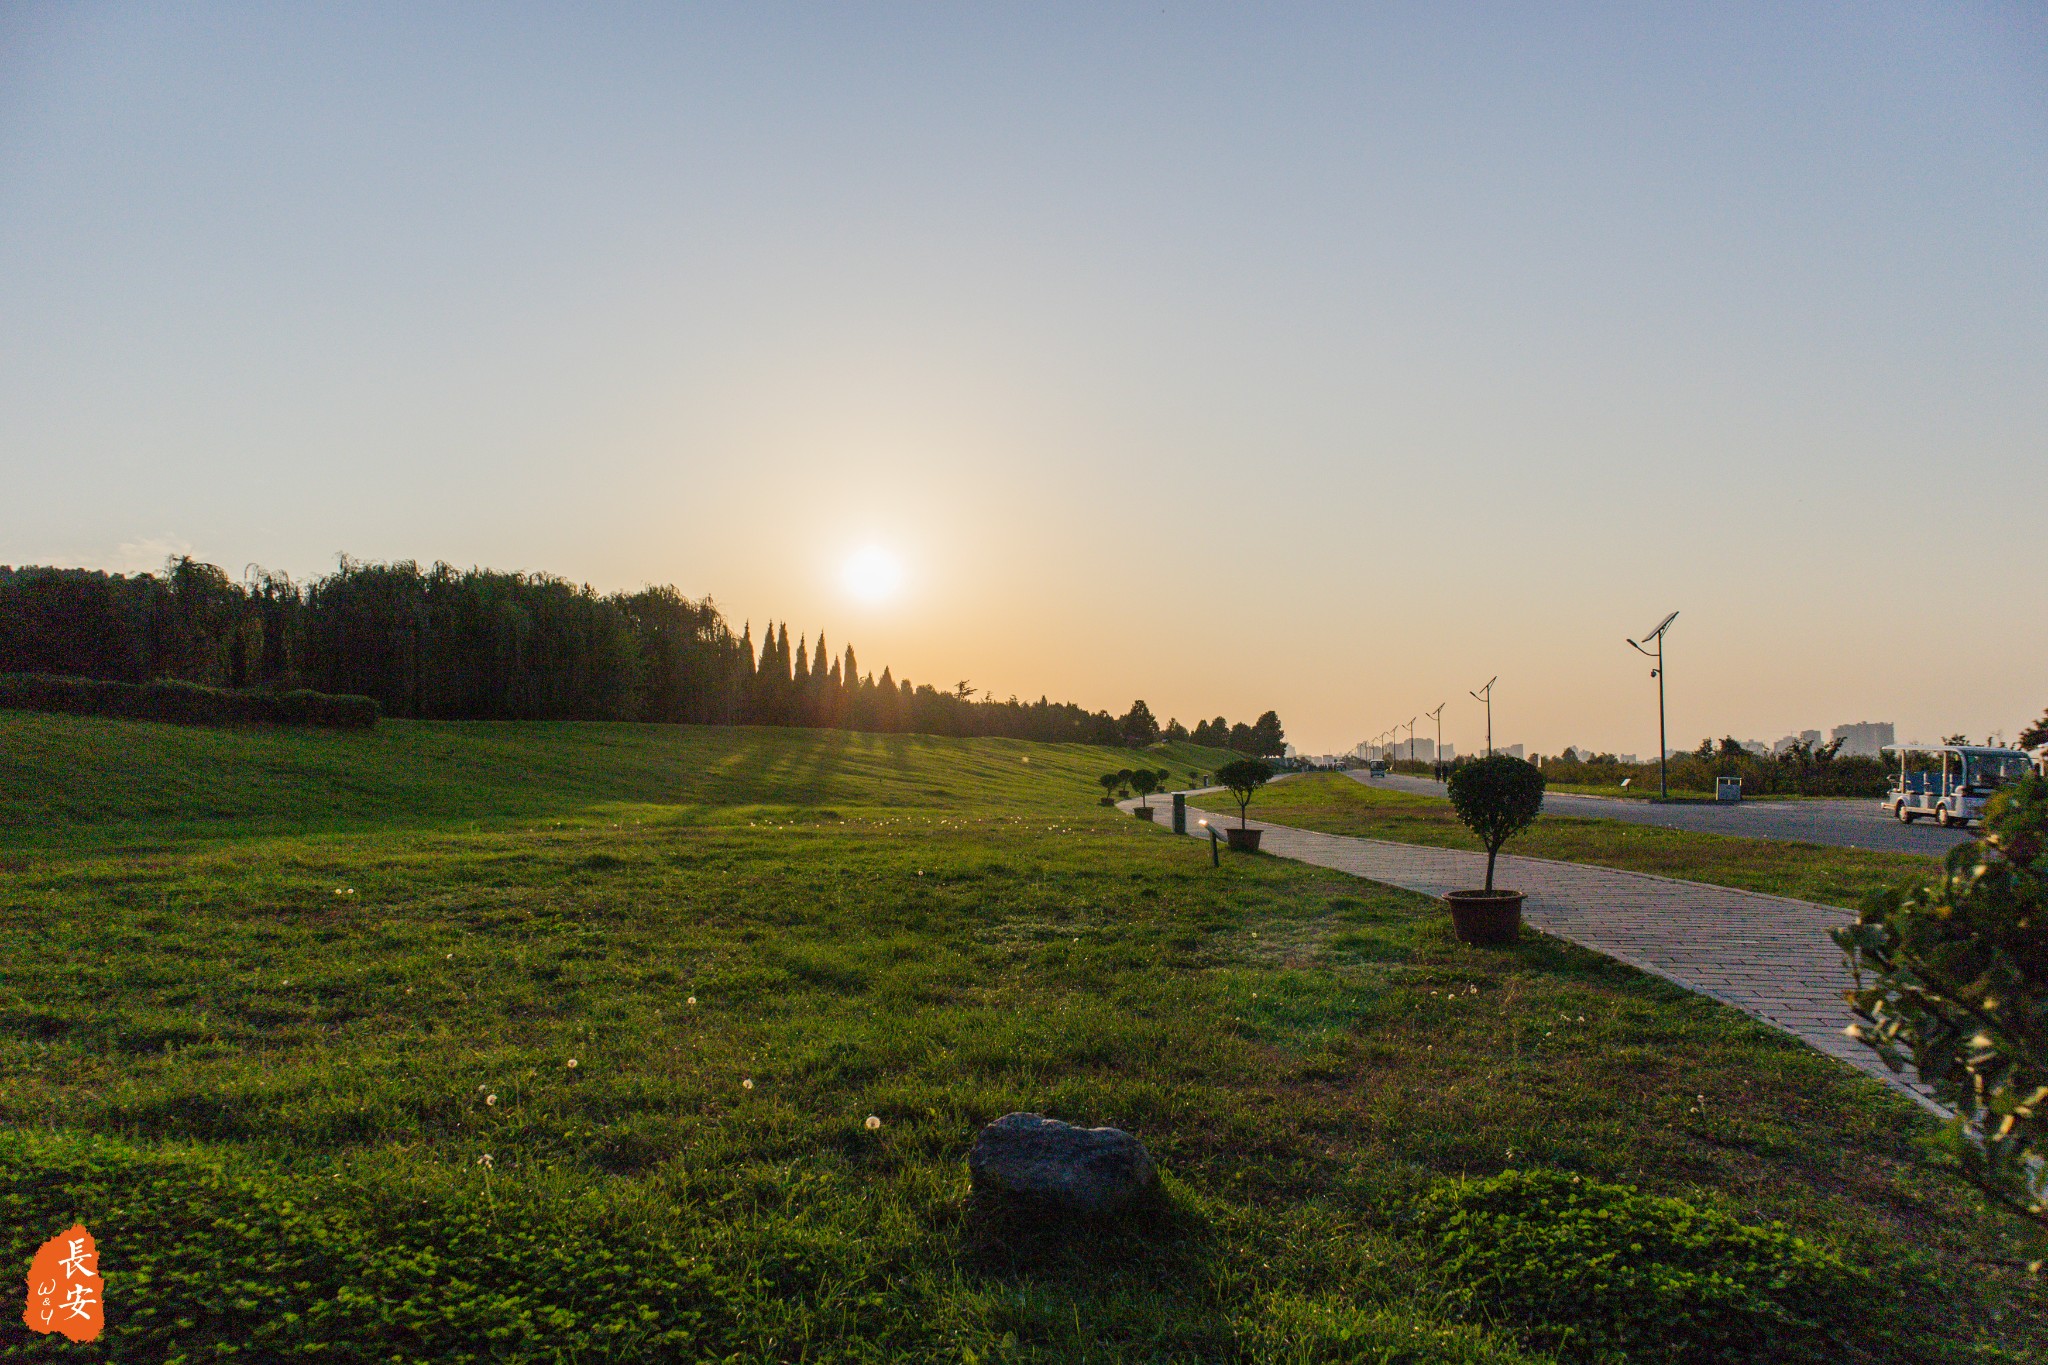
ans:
(1329, 359)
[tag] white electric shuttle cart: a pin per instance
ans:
(1950, 782)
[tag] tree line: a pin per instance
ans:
(477, 644)
(1801, 769)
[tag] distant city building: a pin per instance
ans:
(1625, 758)
(1424, 750)
(1864, 738)
(1810, 738)
(1757, 747)
(1511, 750)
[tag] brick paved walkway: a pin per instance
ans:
(1768, 956)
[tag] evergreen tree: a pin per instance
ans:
(1138, 726)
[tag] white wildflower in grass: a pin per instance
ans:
(692, 1001)
(484, 1161)
(490, 1099)
(747, 1084)
(873, 1122)
(572, 1063)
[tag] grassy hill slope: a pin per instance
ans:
(287, 1020)
(66, 777)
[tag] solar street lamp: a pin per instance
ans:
(1485, 694)
(1663, 749)
(1438, 716)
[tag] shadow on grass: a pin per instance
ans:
(1165, 1242)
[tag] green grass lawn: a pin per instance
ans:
(1641, 793)
(270, 999)
(1335, 804)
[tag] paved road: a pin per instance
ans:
(1768, 956)
(1845, 824)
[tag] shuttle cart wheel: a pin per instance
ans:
(1941, 817)
(1905, 816)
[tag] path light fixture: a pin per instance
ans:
(1663, 749)
(1438, 716)
(1485, 694)
(1215, 857)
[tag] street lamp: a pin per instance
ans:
(1438, 716)
(1485, 694)
(1411, 737)
(1663, 749)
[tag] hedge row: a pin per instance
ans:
(182, 703)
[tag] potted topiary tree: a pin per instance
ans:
(1244, 776)
(1109, 782)
(1144, 782)
(1497, 798)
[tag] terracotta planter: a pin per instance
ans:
(1143, 812)
(1243, 840)
(1486, 917)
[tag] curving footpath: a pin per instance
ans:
(1768, 956)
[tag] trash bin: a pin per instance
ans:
(1727, 789)
(1180, 813)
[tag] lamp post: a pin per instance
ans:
(1485, 694)
(1411, 737)
(1663, 749)
(1438, 716)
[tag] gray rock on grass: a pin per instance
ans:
(1033, 1160)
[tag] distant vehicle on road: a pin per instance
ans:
(1376, 768)
(1950, 782)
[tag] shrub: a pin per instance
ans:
(1601, 1273)
(1497, 797)
(1952, 977)
(182, 703)
(1144, 781)
(1244, 776)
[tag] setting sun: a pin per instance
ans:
(872, 574)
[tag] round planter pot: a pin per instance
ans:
(1144, 812)
(1486, 917)
(1243, 840)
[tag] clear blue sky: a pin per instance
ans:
(1323, 358)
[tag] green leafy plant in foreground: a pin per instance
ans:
(1497, 798)
(1599, 1273)
(1952, 978)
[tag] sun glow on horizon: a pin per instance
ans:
(872, 575)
